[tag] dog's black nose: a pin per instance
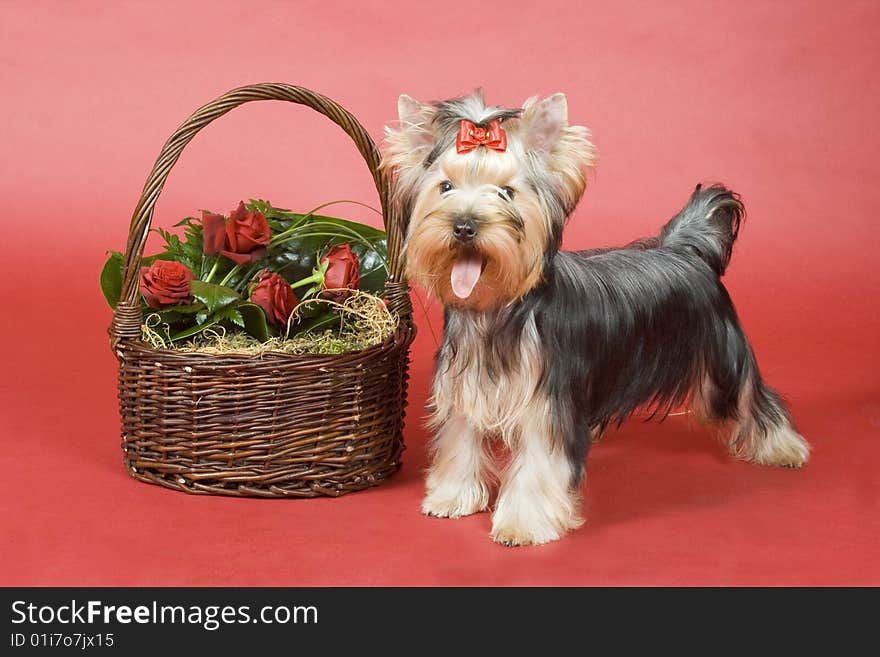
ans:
(464, 230)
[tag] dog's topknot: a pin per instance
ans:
(472, 108)
(449, 114)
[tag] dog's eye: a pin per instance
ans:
(445, 186)
(508, 193)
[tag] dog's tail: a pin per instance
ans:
(707, 226)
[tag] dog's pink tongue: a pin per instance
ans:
(465, 274)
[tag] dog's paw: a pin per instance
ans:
(523, 518)
(513, 536)
(781, 446)
(463, 504)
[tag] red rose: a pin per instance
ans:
(213, 233)
(275, 296)
(342, 274)
(242, 239)
(166, 283)
(247, 236)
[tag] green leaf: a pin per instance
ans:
(195, 330)
(187, 251)
(310, 292)
(189, 309)
(213, 296)
(179, 314)
(146, 261)
(231, 314)
(187, 221)
(111, 278)
(254, 321)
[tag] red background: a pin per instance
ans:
(778, 100)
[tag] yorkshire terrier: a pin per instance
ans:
(545, 348)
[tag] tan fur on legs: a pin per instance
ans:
(536, 503)
(458, 479)
(772, 441)
(775, 443)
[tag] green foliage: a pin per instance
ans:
(255, 323)
(111, 278)
(213, 296)
(174, 315)
(300, 239)
(220, 290)
(187, 251)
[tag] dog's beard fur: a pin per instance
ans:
(550, 347)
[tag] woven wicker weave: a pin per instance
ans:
(276, 425)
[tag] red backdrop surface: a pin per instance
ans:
(778, 100)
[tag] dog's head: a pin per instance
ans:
(485, 192)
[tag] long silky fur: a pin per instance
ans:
(641, 326)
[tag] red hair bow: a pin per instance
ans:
(470, 136)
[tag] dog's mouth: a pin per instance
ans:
(466, 271)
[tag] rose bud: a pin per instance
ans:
(166, 283)
(247, 236)
(213, 233)
(275, 296)
(343, 273)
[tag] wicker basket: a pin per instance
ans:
(276, 425)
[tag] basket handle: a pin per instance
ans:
(127, 315)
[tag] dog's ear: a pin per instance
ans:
(566, 149)
(413, 113)
(543, 122)
(409, 143)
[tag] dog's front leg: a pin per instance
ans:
(538, 500)
(458, 479)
